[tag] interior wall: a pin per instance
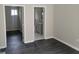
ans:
(29, 22)
(2, 28)
(49, 18)
(66, 24)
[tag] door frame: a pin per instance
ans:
(44, 19)
(23, 27)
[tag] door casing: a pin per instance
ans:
(22, 20)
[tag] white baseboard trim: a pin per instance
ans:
(28, 41)
(72, 46)
(48, 37)
(38, 39)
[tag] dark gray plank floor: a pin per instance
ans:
(15, 45)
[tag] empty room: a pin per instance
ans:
(39, 29)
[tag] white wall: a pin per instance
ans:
(66, 24)
(2, 29)
(49, 21)
(29, 22)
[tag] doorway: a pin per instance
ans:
(39, 13)
(14, 26)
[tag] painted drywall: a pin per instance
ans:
(66, 24)
(2, 28)
(49, 21)
(29, 22)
